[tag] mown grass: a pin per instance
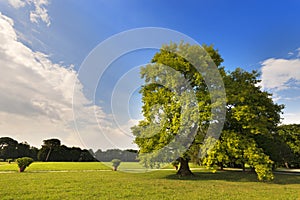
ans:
(162, 184)
(126, 165)
(56, 166)
(67, 166)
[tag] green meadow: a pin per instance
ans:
(94, 180)
(56, 166)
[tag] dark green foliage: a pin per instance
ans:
(11, 149)
(278, 150)
(52, 150)
(290, 134)
(129, 155)
(249, 110)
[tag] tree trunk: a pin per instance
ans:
(184, 169)
(22, 169)
(286, 165)
(48, 155)
(221, 166)
(243, 167)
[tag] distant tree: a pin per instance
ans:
(290, 134)
(75, 153)
(51, 144)
(115, 164)
(23, 163)
(11, 149)
(91, 151)
(25, 150)
(85, 156)
(129, 155)
(52, 150)
(275, 147)
(8, 148)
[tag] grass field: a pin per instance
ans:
(56, 166)
(75, 166)
(86, 181)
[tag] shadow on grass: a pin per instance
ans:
(236, 176)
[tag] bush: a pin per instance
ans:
(116, 163)
(23, 163)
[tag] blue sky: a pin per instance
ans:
(45, 42)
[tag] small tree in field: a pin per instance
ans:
(115, 164)
(23, 163)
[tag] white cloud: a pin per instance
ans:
(282, 78)
(39, 12)
(291, 118)
(276, 73)
(17, 3)
(37, 99)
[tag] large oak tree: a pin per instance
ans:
(179, 109)
(183, 105)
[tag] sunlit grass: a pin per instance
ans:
(56, 166)
(162, 184)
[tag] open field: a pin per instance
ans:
(77, 166)
(88, 183)
(56, 166)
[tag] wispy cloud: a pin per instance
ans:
(37, 99)
(39, 12)
(17, 3)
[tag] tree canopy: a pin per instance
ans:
(290, 135)
(12, 149)
(183, 102)
(178, 103)
(52, 150)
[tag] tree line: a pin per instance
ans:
(53, 150)
(129, 155)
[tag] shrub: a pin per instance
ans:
(115, 164)
(23, 163)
